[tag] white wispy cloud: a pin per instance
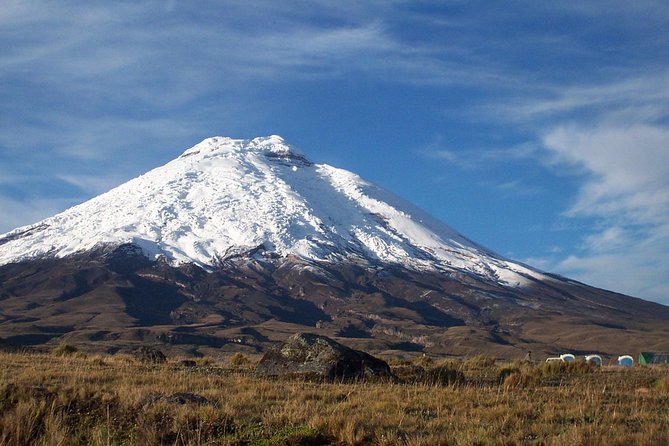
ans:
(636, 97)
(628, 167)
(612, 138)
(625, 189)
(517, 188)
(637, 271)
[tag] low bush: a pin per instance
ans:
(239, 360)
(64, 349)
(149, 355)
(434, 376)
(451, 363)
(558, 368)
(506, 370)
(423, 361)
(408, 373)
(524, 378)
(478, 362)
(443, 376)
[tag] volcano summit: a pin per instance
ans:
(237, 242)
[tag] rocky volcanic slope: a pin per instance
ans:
(236, 243)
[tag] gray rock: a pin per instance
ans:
(314, 356)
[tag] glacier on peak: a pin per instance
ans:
(273, 145)
(224, 197)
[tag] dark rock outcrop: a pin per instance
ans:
(319, 357)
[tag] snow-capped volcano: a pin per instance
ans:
(228, 197)
(237, 242)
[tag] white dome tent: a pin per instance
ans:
(594, 359)
(625, 361)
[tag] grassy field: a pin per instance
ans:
(71, 398)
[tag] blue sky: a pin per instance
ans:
(538, 129)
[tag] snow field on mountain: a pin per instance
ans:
(226, 196)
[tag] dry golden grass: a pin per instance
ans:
(112, 400)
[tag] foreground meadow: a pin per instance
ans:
(49, 399)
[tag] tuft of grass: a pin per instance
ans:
(560, 368)
(205, 361)
(423, 361)
(524, 378)
(443, 376)
(478, 362)
(506, 370)
(440, 375)
(239, 360)
(662, 385)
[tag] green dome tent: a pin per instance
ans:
(647, 358)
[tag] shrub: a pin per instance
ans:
(398, 361)
(239, 360)
(506, 371)
(187, 363)
(478, 362)
(443, 376)
(408, 373)
(149, 355)
(521, 379)
(423, 361)
(205, 361)
(435, 376)
(557, 368)
(451, 363)
(64, 349)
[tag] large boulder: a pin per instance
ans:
(314, 356)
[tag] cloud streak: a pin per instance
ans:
(626, 191)
(628, 168)
(612, 137)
